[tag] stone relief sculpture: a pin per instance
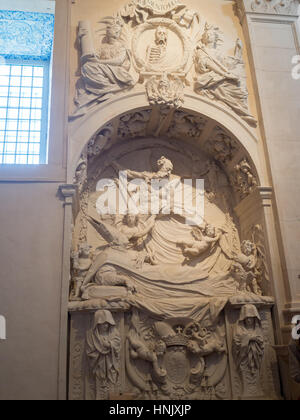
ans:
(134, 125)
(165, 285)
(154, 44)
(215, 80)
(104, 72)
(169, 281)
(165, 91)
(136, 249)
(243, 179)
(277, 6)
(81, 264)
(184, 124)
(103, 352)
(250, 266)
(221, 146)
(204, 239)
(174, 360)
(100, 142)
(157, 51)
(248, 349)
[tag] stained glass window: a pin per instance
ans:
(25, 53)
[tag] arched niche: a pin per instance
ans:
(83, 129)
(161, 289)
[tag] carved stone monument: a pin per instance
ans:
(169, 293)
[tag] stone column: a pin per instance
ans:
(67, 193)
(271, 30)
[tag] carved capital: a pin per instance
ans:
(67, 191)
(273, 7)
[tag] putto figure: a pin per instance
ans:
(104, 72)
(204, 240)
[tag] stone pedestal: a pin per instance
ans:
(178, 358)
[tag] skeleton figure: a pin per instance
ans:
(156, 52)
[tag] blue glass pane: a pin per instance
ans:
(26, 35)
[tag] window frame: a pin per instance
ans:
(46, 64)
(55, 169)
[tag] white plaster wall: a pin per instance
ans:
(31, 248)
(273, 45)
(31, 220)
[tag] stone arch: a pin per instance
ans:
(216, 115)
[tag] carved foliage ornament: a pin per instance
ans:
(280, 7)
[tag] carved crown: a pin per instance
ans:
(176, 340)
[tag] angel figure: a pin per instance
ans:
(130, 234)
(248, 267)
(215, 80)
(104, 72)
(204, 240)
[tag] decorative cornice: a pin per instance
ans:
(273, 7)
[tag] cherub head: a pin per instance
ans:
(210, 231)
(247, 248)
(84, 250)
